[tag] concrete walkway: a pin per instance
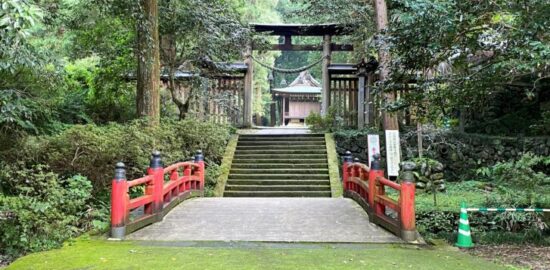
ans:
(328, 220)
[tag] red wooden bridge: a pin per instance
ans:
(374, 209)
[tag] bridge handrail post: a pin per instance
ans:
(119, 202)
(199, 159)
(156, 190)
(346, 162)
(376, 171)
(407, 202)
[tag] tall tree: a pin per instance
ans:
(390, 120)
(148, 79)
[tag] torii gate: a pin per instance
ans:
(327, 31)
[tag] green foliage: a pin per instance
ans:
(39, 209)
(543, 125)
(18, 113)
(521, 183)
(16, 21)
(328, 123)
(92, 150)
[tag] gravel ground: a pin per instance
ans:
(531, 257)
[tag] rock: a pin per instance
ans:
(438, 167)
(439, 182)
(437, 176)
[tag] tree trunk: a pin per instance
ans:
(419, 138)
(180, 92)
(148, 77)
(390, 120)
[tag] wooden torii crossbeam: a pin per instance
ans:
(287, 31)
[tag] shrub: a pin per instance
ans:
(41, 209)
(92, 150)
(328, 123)
(521, 183)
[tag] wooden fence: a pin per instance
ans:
(343, 95)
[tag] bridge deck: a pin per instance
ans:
(335, 220)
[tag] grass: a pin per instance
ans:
(450, 200)
(100, 254)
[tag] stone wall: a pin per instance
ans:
(460, 153)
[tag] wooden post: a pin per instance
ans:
(118, 202)
(283, 112)
(407, 202)
(157, 171)
(346, 162)
(369, 108)
(361, 95)
(326, 79)
(248, 87)
(199, 159)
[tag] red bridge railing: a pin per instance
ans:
(367, 186)
(164, 189)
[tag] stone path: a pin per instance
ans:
(274, 130)
(328, 220)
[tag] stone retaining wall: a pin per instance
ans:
(460, 153)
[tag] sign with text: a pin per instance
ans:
(393, 152)
(373, 146)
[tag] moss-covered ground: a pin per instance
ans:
(101, 254)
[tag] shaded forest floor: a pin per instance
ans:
(531, 257)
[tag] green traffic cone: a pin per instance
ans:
(464, 234)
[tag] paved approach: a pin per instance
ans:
(321, 220)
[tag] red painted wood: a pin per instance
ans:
(157, 192)
(386, 182)
(407, 217)
(118, 202)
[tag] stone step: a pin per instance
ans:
(281, 151)
(279, 156)
(277, 194)
(278, 147)
(278, 139)
(279, 171)
(278, 182)
(310, 135)
(279, 176)
(277, 188)
(275, 143)
(278, 166)
(281, 160)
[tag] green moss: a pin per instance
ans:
(333, 170)
(451, 199)
(98, 254)
(225, 168)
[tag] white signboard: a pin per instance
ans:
(373, 146)
(393, 152)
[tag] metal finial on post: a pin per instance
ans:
(348, 157)
(407, 169)
(120, 172)
(156, 160)
(375, 163)
(199, 156)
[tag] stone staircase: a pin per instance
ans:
(279, 166)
